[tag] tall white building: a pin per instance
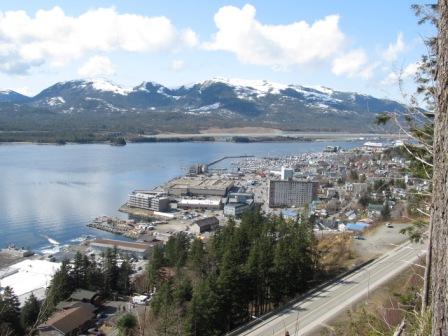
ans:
(287, 173)
(291, 193)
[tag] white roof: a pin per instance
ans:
(198, 201)
(32, 276)
(373, 144)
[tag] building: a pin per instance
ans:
(214, 204)
(236, 209)
(357, 189)
(199, 186)
(125, 247)
(291, 193)
(286, 173)
(205, 225)
(240, 197)
(238, 203)
(29, 277)
(69, 321)
(375, 147)
(197, 169)
(149, 201)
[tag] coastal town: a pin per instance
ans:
(342, 191)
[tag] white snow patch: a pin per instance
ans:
(207, 107)
(54, 101)
(106, 86)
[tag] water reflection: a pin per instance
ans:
(54, 191)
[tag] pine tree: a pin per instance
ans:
(79, 271)
(110, 272)
(30, 312)
(9, 312)
(125, 272)
(61, 287)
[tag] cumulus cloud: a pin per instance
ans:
(97, 66)
(277, 46)
(177, 65)
(394, 77)
(51, 36)
(394, 49)
(353, 64)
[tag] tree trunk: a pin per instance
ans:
(439, 211)
(427, 275)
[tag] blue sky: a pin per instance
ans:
(346, 45)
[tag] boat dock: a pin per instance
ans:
(229, 157)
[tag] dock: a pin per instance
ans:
(229, 157)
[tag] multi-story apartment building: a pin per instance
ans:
(291, 193)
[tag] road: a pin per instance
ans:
(310, 314)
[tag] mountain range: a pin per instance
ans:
(99, 105)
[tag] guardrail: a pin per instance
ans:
(291, 303)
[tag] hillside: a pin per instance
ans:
(101, 106)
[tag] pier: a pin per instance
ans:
(229, 157)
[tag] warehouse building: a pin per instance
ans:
(28, 277)
(291, 193)
(238, 203)
(199, 186)
(205, 225)
(212, 204)
(124, 247)
(149, 201)
(236, 209)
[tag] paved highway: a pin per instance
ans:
(310, 314)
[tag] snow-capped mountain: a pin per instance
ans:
(215, 102)
(12, 97)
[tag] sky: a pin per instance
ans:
(350, 45)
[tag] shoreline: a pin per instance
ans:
(237, 137)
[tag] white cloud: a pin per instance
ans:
(51, 36)
(353, 64)
(274, 45)
(394, 49)
(177, 65)
(97, 66)
(394, 77)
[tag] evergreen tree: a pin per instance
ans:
(110, 272)
(79, 271)
(61, 287)
(30, 312)
(197, 254)
(9, 313)
(125, 272)
(156, 261)
(385, 211)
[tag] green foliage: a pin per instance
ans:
(364, 200)
(244, 270)
(110, 272)
(9, 313)
(417, 231)
(30, 312)
(176, 250)
(385, 212)
(127, 324)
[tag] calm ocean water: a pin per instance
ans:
(49, 193)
